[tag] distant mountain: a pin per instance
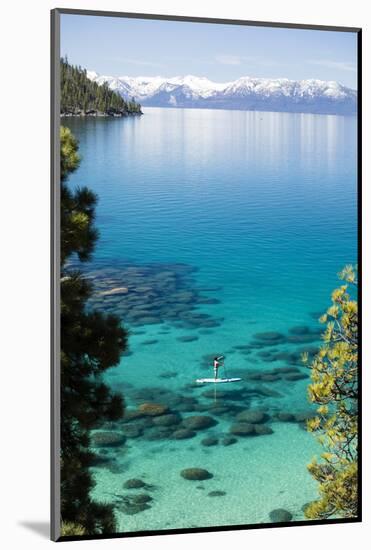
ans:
(251, 94)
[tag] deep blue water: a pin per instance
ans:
(262, 203)
(264, 206)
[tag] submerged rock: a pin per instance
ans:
(285, 417)
(261, 429)
(199, 422)
(242, 429)
(285, 370)
(270, 377)
(186, 406)
(252, 417)
(219, 409)
(295, 376)
(229, 440)
(107, 439)
(264, 354)
(209, 301)
(183, 434)
(190, 338)
(209, 441)
(131, 431)
(280, 515)
(196, 474)
(271, 337)
(147, 320)
(267, 392)
(131, 508)
(116, 468)
(98, 461)
(143, 423)
(132, 415)
(209, 323)
(210, 394)
(181, 402)
(140, 499)
(155, 434)
(134, 484)
(303, 338)
(153, 409)
(168, 374)
(299, 330)
(167, 420)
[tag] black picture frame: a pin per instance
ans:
(55, 266)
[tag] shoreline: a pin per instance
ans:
(99, 115)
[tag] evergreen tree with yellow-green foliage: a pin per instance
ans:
(334, 389)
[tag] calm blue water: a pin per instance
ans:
(264, 206)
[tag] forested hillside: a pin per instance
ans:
(81, 96)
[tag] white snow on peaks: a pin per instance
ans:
(92, 75)
(244, 93)
(146, 86)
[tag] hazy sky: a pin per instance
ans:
(139, 47)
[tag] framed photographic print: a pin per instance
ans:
(206, 274)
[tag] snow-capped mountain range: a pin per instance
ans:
(246, 93)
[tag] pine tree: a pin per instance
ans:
(91, 342)
(81, 95)
(334, 388)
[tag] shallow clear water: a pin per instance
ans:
(260, 211)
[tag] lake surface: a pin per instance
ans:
(228, 228)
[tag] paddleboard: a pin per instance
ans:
(217, 380)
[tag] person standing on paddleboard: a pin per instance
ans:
(217, 364)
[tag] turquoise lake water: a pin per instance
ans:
(227, 229)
